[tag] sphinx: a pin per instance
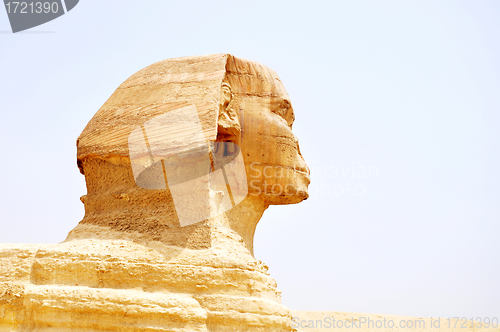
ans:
(180, 164)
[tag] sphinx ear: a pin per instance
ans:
(228, 123)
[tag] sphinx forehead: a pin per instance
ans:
(254, 79)
(168, 85)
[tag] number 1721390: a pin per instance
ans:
(32, 7)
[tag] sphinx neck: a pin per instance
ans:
(243, 219)
(116, 208)
(145, 219)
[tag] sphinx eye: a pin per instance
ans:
(283, 109)
(286, 112)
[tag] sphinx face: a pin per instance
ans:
(276, 170)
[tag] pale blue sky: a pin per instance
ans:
(407, 89)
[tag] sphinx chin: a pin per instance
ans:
(293, 192)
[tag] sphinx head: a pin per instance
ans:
(192, 138)
(276, 171)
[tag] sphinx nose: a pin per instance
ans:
(302, 163)
(308, 171)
